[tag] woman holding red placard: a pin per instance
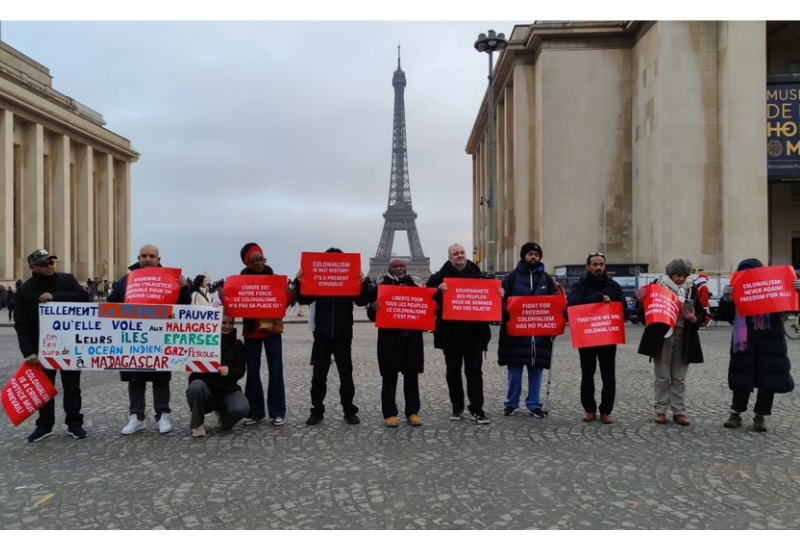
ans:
(672, 349)
(759, 357)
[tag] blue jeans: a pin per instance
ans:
(515, 387)
(253, 389)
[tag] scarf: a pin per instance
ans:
(760, 322)
(680, 291)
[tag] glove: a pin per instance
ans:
(727, 292)
(796, 284)
(641, 292)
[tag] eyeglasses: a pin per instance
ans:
(597, 254)
(46, 264)
(258, 260)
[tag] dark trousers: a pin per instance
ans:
(71, 382)
(253, 388)
(465, 348)
(605, 355)
(410, 392)
(136, 391)
(763, 406)
(321, 353)
(232, 406)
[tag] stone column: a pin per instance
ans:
(742, 59)
(84, 254)
(61, 202)
(122, 234)
(105, 211)
(32, 207)
(6, 195)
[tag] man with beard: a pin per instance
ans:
(399, 351)
(528, 279)
(137, 381)
(46, 285)
(461, 341)
(594, 287)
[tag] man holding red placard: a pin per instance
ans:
(46, 285)
(399, 351)
(137, 381)
(333, 335)
(759, 355)
(528, 279)
(597, 286)
(461, 341)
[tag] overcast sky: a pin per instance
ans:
(276, 132)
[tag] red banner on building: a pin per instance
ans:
(600, 324)
(28, 389)
(254, 296)
(330, 274)
(153, 285)
(660, 306)
(406, 307)
(472, 300)
(536, 315)
(764, 290)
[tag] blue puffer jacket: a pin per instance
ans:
(525, 350)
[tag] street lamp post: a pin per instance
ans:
(490, 43)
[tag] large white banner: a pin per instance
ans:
(132, 337)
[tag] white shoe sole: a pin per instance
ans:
(126, 431)
(165, 430)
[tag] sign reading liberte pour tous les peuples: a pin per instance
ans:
(132, 337)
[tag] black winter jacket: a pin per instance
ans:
(525, 350)
(652, 342)
(590, 290)
(232, 355)
(399, 350)
(765, 363)
(333, 315)
(445, 332)
(117, 296)
(63, 286)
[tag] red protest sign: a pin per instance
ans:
(254, 296)
(330, 273)
(471, 300)
(660, 306)
(536, 315)
(764, 290)
(406, 307)
(600, 324)
(28, 389)
(153, 285)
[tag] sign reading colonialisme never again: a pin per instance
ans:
(783, 128)
(137, 337)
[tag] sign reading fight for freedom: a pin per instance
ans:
(253, 296)
(26, 392)
(137, 337)
(471, 300)
(153, 285)
(660, 306)
(536, 315)
(600, 324)
(406, 307)
(330, 274)
(764, 290)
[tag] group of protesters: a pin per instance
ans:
(758, 353)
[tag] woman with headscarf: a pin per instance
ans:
(673, 349)
(759, 357)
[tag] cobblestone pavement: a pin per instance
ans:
(515, 473)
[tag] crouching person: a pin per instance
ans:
(218, 391)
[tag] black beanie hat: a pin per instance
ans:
(527, 247)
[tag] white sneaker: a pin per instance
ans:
(278, 421)
(133, 425)
(219, 418)
(164, 425)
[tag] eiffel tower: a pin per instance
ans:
(400, 215)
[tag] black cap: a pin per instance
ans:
(40, 256)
